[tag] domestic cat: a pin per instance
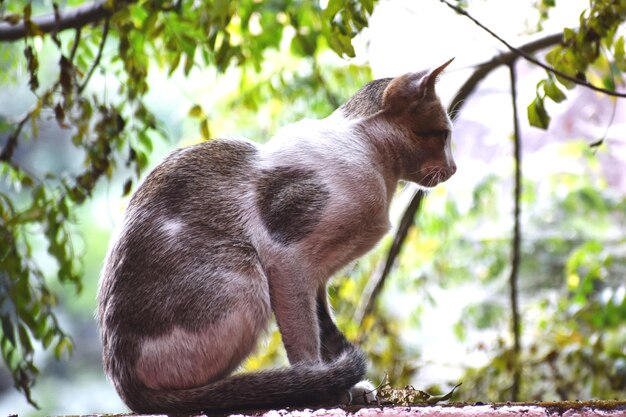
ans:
(222, 234)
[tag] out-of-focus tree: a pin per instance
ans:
(113, 130)
(590, 56)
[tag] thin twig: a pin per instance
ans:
(75, 44)
(532, 59)
(9, 147)
(504, 58)
(516, 242)
(96, 62)
(375, 283)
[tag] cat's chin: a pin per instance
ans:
(433, 177)
(426, 183)
(425, 187)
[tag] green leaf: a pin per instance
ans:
(174, 61)
(63, 345)
(204, 129)
(7, 328)
(196, 111)
(189, 61)
(569, 35)
(24, 336)
(333, 8)
(537, 114)
(553, 91)
(47, 339)
(618, 54)
(368, 5)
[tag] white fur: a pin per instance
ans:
(171, 228)
(184, 359)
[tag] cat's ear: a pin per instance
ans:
(427, 83)
(411, 87)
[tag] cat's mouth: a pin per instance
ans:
(432, 175)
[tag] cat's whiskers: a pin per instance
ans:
(457, 109)
(433, 175)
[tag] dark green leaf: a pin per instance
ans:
(128, 185)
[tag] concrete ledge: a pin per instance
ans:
(582, 409)
(545, 409)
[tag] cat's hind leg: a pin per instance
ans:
(218, 318)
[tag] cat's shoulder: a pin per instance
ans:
(229, 149)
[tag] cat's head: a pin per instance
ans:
(411, 105)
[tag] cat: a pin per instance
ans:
(224, 233)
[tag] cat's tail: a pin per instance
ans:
(322, 384)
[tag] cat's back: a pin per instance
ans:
(197, 176)
(190, 203)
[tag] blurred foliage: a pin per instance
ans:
(113, 129)
(591, 53)
(572, 288)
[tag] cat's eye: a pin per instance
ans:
(440, 134)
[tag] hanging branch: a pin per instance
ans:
(9, 147)
(376, 282)
(516, 242)
(530, 58)
(96, 62)
(77, 38)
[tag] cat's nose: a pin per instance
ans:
(451, 169)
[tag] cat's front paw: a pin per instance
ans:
(363, 393)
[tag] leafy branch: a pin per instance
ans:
(578, 80)
(73, 18)
(536, 112)
(96, 61)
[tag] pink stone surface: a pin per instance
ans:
(443, 411)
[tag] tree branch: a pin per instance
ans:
(9, 148)
(96, 62)
(376, 282)
(75, 18)
(75, 44)
(530, 58)
(505, 58)
(516, 242)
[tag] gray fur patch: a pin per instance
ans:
(152, 281)
(291, 201)
(368, 100)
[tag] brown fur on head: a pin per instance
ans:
(410, 103)
(392, 93)
(411, 87)
(367, 101)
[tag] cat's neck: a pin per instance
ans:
(379, 140)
